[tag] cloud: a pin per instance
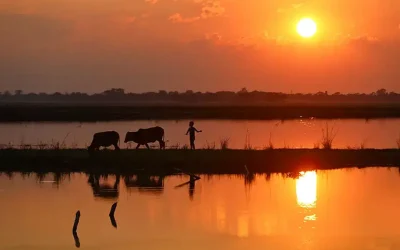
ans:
(213, 37)
(297, 5)
(365, 40)
(292, 7)
(209, 9)
(151, 1)
(177, 18)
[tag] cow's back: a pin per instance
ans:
(151, 134)
(106, 138)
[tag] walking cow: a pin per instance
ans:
(104, 139)
(145, 136)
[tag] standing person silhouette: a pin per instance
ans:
(191, 131)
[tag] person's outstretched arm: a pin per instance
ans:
(187, 132)
(198, 131)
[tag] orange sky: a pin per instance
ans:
(205, 45)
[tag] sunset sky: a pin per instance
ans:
(202, 45)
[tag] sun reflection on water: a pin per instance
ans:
(306, 189)
(306, 192)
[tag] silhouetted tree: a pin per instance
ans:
(381, 92)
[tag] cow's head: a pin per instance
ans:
(130, 136)
(91, 147)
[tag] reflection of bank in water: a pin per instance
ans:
(306, 192)
(146, 184)
(103, 190)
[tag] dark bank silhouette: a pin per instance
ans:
(192, 134)
(145, 136)
(104, 191)
(104, 139)
(145, 183)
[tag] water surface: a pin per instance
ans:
(338, 209)
(301, 133)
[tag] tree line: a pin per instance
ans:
(243, 96)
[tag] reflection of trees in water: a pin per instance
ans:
(249, 179)
(268, 177)
(56, 178)
(9, 174)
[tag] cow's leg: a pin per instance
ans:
(116, 147)
(138, 145)
(162, 144)
(147, 146)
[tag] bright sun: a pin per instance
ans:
(306, 27)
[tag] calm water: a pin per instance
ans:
(294, 133)
(340, 209)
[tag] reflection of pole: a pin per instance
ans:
(76, 238)
(76, 222)
(111, 214)
(75, 227)
(195, 177)
(113, 207)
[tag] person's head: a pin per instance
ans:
(191, 123)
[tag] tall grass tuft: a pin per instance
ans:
(224, 143)
(328, 136)
(363, 144)
(41, 145)
(175, 146)
(247, 144)
(398, 142)
(210, 146)
(270, 144)
(56, 145)
(74, 145)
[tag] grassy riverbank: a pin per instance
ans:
(199, 161)
(21, 113)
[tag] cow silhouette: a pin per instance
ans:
(145, 136)
(104, 139)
